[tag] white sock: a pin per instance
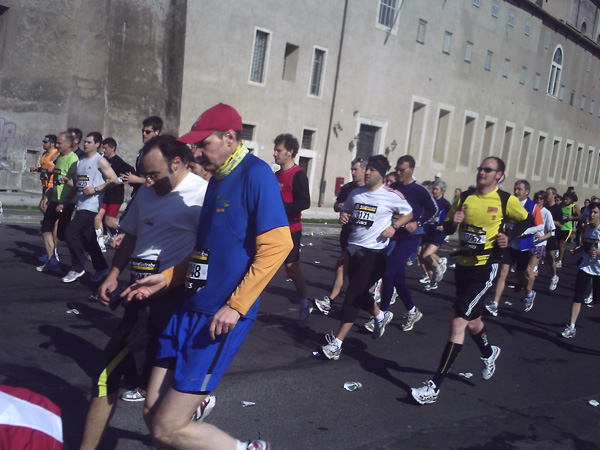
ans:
(379, 317)
(413, 310)
(241, 445)
(338, 342)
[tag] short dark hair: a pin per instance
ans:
(96, 136)
(169, 147)
(567, 194)
(77, 132)
(110, 142)
(594, 205)
(153, 121)
(499, 163)
(541, 194)
(51, 137)
(406, 158)
(524, 183)
(553, 189)
(289, 142)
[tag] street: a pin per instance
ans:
(537, 399)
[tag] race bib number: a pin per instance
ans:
(141, 268)
(589, 244)
(472, 238)
(82, 181)
(197, 271)
(364, 215)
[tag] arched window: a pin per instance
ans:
(555, 71)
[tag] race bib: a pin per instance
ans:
(197, 271)
(141, 268)
(472, 238)
(364, 215)
(82, 181)
(43, 174)
(589, 244)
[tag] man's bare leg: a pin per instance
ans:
(99, 414)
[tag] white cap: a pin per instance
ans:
(438, 175)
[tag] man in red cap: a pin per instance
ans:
(243, 238)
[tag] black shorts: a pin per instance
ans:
(472, 284)
(552, 244)
(294, 255)
(582, 284)
(563, 235)
(51, 216)
(519, 258)
(433, 239)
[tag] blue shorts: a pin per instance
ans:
(198, 362)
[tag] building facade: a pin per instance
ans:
(447, 81)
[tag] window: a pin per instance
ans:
(259, 56)
(572, 100)
(582, 105)
(589, 67)
(248, 132)
(555, 71)
(387, 10)
(547, 42)
(536, 83)
(527, 29)
(592, 106)
(476, 3)
(290, 62)
(488, 61)
(447, 41)
(495, 10)
(561, 93)
(511, 20)
(468, 51)
(421, 31)
(506, 67)
(318, 65)
(523, 72)
(308, 139)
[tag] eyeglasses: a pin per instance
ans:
(486, 169)
(144, 131)
(538, 198)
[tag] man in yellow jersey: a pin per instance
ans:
(478, 215)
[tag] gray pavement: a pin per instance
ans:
(537, 399)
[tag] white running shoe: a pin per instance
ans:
(331, 350)
(323, 305)
(492, 308)
(370, 325)
(554, 282)
(425, 395)
(379, 327)
(529, 301)
(205, 408)
(72, 276)
(489, 366)
(411, 319)
(135, 395)
(424, 280)
(569, 332)
(257, 445)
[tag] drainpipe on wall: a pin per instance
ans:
(322, 184)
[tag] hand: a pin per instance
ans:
(117, 240)
(344, 217)
(411, 226)
(125, 177)
(88, 190)
(459, 216)
(388, 232)
(144, 288)
(224, 321)
(59, 208)
(33, 169)
(593, 252)
(110, 284)
(502, 240)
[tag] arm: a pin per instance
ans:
(300, 193)
(119, 263)
(109, 175)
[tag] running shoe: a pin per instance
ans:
(72, 276)
(205, 408)
(492, 308)
(554, 282)
(100, 275)
(43, 258)
(443, 262)
(135, 395)
(569, 332)
(323, 305)
(257, 445)
(331, 350)
(304, 314)
(394, 297)
(50, 266)
(529, 301)
(424, 280)
(375, 291)
(439, 274)
(411, 319)
(370, 325)
(558, 264)
(588, 299)
(430, 287)
(379, 327)
(425, 395)
(489, 364)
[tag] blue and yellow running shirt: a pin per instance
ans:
(483, 217)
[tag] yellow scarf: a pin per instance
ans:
(232, 162)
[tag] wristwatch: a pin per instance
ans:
(394, 226)
(96, 189)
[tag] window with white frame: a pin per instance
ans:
(555, 72)
(547, 41)
(505, 68)
(468, 51)
(536, 83)
(387, 11)
(259, 56)
(316, 76)
(592, 105)
(527, 29)
(421, 31)
(561, 92)
(488, 60)
(582, 105)
(589, 66)
(523, 72)
(572, 100)
(495, 10)
(447, 41)
(511, 20)
(308, 139)
(476, 3)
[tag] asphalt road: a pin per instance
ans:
(537, 399)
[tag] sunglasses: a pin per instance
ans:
(147, 131)
(486, 169)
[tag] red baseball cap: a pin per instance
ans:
(220, 117)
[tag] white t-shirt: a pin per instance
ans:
(372, 213)
(548, 227)
(588, 240)
(165, 226)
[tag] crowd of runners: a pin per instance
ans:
(209, 224)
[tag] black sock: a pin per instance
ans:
(482, 342)
(450, 353)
